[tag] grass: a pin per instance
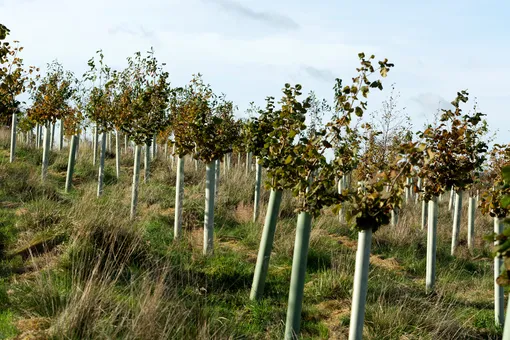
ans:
(75, 267)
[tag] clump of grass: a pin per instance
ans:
(7, 328)
(7, 230)
(406, 316)
(158, 234)
(85, 172)
(235, 188)
(22, 183)
(40, 215)
(45, 294)
(60, 163)
(156, 193)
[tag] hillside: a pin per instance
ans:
(74, 266)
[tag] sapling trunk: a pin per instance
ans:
(360, 287)
(408, 190)
(248, 162)
(154, 147)
(499, 291)
(100, 177)
(420, 183)
(136, 181)
(52, 135)
(394, 217)
(209, 208)
(46, 151)
(424, 211)
(166, 150)
(258, 181)
(297, 279)
(61, 137)
(217, 177)
(430, 276)
(471, 221)
(173, 155)
(13, 138)
(266, 244)
(238, 159)
(196, 164)
(71, 162)
(341, 186)
(125, 144)
(456, 221)
(147, 171)
(117, 154)
(179, 196)
(411, 191)
(94, 146)
(37, 136)
(42, 131)
(41, 135)
(450, 203)
(110, 141)
(77, 146)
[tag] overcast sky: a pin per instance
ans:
(249, 49)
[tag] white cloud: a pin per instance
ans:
(251, 59)
(431, 102)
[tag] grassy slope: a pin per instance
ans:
(74, 266)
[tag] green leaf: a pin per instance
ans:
(288, 160)
(506, 173)
(505, 201)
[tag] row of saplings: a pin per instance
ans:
(139, 102)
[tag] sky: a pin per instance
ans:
(248, 49)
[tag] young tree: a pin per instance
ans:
(370, 207)
(72, 128)
(213, 130)
(493, 203)
(51, 103)
(253, 143)
(274, 133)
(182, 108)
(102, 106)
(26, 125)
(144, 96)
(394, 128)
(450, 153)
(502, 243)
(15, 79)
